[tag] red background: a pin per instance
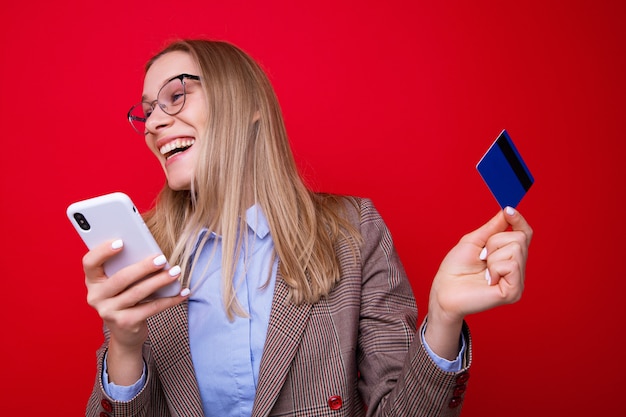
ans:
(394, 100)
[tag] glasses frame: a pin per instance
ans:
(181, 77)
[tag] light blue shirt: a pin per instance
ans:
(227, 355)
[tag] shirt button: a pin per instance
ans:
(335, 402)
(103, 414)
(455, 402)
(462, 378)
(106, 404)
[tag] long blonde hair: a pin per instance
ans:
(245, 155)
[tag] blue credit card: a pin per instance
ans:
(505, 172)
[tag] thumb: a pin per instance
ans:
(518, 223)
(496, 224)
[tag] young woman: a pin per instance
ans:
(295, 303)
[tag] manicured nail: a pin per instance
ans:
(160, 260)
(175, 270)
(510, 211)
(488, 276)
(483, 254)
(117, 244)
(185, 292)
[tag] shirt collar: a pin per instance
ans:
(256, 221)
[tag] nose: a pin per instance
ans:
(158, 120)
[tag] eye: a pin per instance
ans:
(176, 96)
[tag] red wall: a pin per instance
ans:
(394, 100)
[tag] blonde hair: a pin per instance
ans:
(245, 158)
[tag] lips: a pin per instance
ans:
(176, 146)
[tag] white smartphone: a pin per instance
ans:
(114, 216)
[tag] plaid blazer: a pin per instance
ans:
(353, 353)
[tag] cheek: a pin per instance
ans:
(152, 147)
(200, 118)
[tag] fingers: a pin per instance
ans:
(485, 269)
(94, 260)
(480, 236)
(505, 267)
(142, 311)
(131, 276)
(509, 245)
(505, 244)
(130, 308)
(507, 227)
(138, 291)
(505, 252)
(132, 284)
(502, 221)
(124, 303)
(518, 223)
(123, 300)
(507, 263)
(128, 325)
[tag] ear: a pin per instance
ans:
(256, 117)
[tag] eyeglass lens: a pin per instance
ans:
(170, 99)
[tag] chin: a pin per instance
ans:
(178, 177)
(179, 185)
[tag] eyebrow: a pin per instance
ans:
(145, 98)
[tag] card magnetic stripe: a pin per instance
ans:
(515, 160)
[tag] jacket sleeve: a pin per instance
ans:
(397, 375)
(100, 403)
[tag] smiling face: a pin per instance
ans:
(172, 138)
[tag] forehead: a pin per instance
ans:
(165, 67)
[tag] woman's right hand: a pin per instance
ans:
(120, 300)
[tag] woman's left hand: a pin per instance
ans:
(484, 270)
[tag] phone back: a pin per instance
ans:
(109, 217)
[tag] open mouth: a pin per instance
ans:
(177, 146)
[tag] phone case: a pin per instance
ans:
(114, 216)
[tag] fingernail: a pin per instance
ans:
(160, 260)
(510, 211)
(175, 270)
(483, 254)
(488, 276)
(185, 292)
(117, 244)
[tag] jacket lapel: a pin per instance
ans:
(284, 332)
(172, 356)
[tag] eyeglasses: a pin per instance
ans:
(171, 99)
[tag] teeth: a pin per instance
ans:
(176, 144)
